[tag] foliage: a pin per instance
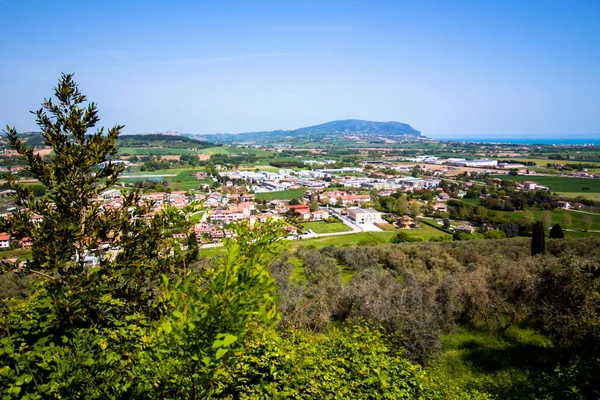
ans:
(538, 239)
(353, 361)
(556, 232)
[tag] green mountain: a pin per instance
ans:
(330, 130)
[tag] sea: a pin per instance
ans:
(579, 140)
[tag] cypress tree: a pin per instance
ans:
(556, 232)
(538, 239)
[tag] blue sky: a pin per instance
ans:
(448, 68)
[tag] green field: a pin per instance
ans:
(234, 150)
(140, 151)
(284, 195)
(557, 215)
(324, 227)
(561, 184)
(474, 357)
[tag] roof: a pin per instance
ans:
(4, 236)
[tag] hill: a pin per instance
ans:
(161, 140)
(341, 129)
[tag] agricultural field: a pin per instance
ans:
(325, 227)
(567, 186)
(140, 151)
(234, 150)
(557, 216)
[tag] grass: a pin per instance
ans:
(234, 150)
(361, 238)
(561, 184)
(298, 272)
(557, 216)
(283, 195)
(472, 202)
(386, 227)
(324, 227)
(20, 254)
(501, 364)
(138, 151)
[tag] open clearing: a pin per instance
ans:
(325, 227)
(561, 184)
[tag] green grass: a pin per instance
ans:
(298, 272)
(560, 184)
(20, 254)
(472, 202)
(235, 150)
(324, 227)
(284, 195)
(140, 151)
(361, 238)
(503, 364)
(557, 215)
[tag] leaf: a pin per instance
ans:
(166, 326)
(220, 353)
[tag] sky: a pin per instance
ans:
(451, 69)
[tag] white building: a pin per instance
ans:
(365, 216)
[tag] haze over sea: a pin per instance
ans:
(573, 139)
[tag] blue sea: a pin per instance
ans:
(563, 140)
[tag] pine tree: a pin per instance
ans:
(538, 239)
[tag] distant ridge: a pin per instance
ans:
(340, 128)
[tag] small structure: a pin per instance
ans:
(529, 185)
(406, 222)
(362, 216)
(4, 240)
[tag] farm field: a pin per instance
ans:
(234, 150)
(283, 195)
(140, 151)
(557, 215)
(325, 227)
(561, 184)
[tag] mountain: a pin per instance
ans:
(337, 130)
(357, 126)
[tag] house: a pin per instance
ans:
(350, 199)
(440, 207)
(319, 215)
(301, 209)
(157, 197)
(406, 222)
(464, 227)
(362, 216)
(529, 185)
(565, 205)
(227, 216)
(247, 197)
(4, 240)
(443, 196)
(26, 243)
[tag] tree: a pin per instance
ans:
(294, 202)
(556, 232)
(192, 247)
(538, 239)
(139, 326)
(586, 222)
(314, 206)
(528, 217)
(415, 209)
(566, 220)
(402, 205)
(510, 228)
(547, 218)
